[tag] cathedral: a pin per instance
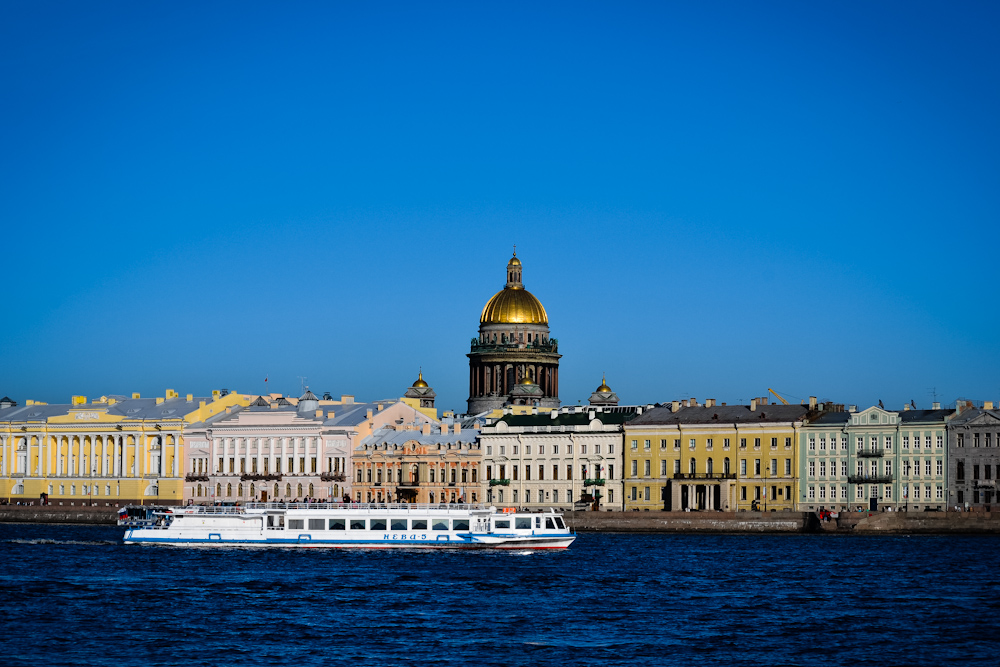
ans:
(513, 361)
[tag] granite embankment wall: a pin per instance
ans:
(849, 523)
(58, 514)
(858, 523)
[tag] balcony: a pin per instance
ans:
(195, 477)
(704, 475)
(870, 452)
(411, 483)
(333, 477)
(984, 484)
(869, 479)
(593, 482)
(259, 477)
(499, 482)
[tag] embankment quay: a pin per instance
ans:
(889, 523)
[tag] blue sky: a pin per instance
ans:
(709, 198)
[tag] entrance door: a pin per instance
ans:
(263, 496)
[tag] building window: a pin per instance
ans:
(743, 443)
(693, 466)
(645, 495)
(756, 443)
(940, 468)
(743, 493)
(645, 445)
(708, 443)
(677, 443)
(663, 443)
(822, 468)
(646, 468)
(635, 444)
(489, 450)
(725, 443)
(906, 441)
(774, 443)
(691, 444)
(940, 441)
(635, 468)
(788, 443)
(788, 467)
(812, 468)
(812, 444)
(743, 468)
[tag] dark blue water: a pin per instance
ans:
(73, 595)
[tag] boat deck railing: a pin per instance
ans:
(256, 506)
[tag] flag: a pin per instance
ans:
(265, 378)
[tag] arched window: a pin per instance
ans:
(725, 465)
(253, 491)
(275, 494)
(229, 490)
(288, 490)
(298, 491)
(708, 467)
(694, 467)
(310, 490)
(218, 490)
(199, 490)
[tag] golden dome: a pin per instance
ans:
(420, 380)
(526, 380)
(514, 305)
(604, 388)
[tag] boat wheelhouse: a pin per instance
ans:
(353, 525)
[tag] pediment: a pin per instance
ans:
(984, 419)
(874, 416)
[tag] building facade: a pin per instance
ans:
(688, 456)
(109, 451)
(874, 459)
(974, 457)
(567, 458)
(419, 463)
(513, 361)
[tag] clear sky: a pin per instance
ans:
(710, 198)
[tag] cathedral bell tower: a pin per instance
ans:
(513, 361)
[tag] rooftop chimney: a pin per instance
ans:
(988, 405)
(319, 414)
(812, 402)
(753, 405)
(370, 413)
(346, 399)
(906, 406)
(675, 406)
(694, 402)
(936, 405)
(456, 428)
(135, 394)
(426, 430)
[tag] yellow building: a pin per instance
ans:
(111, 450)
(686, 456)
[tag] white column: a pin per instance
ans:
(213, 456)
(177, 453)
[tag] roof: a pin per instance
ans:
(393, 437)
(567, 418)
(146, 409)
(836, 418)
(924, 415)
(725, 414)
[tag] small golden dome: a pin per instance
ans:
(604, 388)
(526, 380)
(514, 261)
(420, 380)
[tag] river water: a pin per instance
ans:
(74, 595)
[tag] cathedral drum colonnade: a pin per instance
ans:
(513, 361)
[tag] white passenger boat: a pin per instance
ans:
(343, 525)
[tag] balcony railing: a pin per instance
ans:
(704, 475)
(869, 479)
(552, 346)
(195, 477)
(871, 452)
(984, 484)
(255, 477)
(499, 482)
(333, 477)
(593, 482)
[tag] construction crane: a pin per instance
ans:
(777, 395)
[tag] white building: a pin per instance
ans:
(564, 458)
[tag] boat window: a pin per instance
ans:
(460, 524)
(538, 522)
(338, 524)
(502, 523)
(418, 524)
(398, 524)
(376, 524)
(316, 524)
(296, 524)
(559, 523)
(523, 523)
(357, 524)
(440, 524)
(549, 523)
